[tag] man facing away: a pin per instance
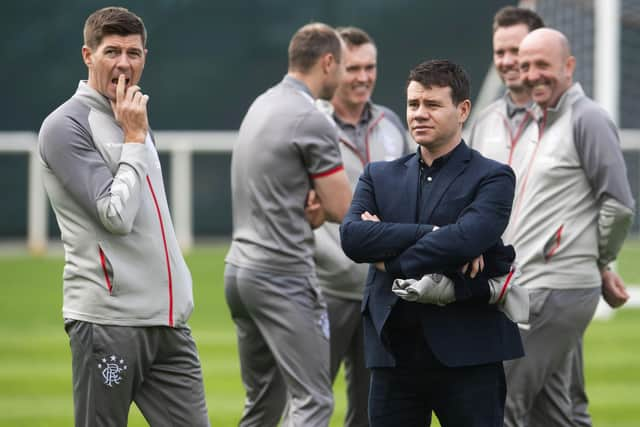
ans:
(127, 289)
(572, 210)
(368, 132)
(432, 212)
(286, 177)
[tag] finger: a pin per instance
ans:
(145, 100)
(375, 218)
(481, 263)
(132, 91)
(464, 268)
(475, 265)
(120, 87)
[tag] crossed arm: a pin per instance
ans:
(413, 250)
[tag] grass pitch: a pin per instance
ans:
(35, 362)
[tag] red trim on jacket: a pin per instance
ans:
(166, 251)
(103, 262)
(505, 286)
(552, 251)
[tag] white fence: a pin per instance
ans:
(180, 145)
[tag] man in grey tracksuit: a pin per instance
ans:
(367, 132)
(127, 290)
(286, 178)
(571, 213)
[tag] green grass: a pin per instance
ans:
(35, 366)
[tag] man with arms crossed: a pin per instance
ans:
(572, 210)
(286, 177)
(426, 357)
(127, 289)
(368, 132)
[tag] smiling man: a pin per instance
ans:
(572, 209)
(433, 211)
(127, 290)
(367, 132)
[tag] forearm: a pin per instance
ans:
(614, 220)
(368, 241)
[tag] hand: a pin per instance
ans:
(366, 216)
(313, 211)
(130, 110)
(613, 289)
(477, 265)
(380, 266)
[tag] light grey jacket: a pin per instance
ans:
(573, 204)
(123, 265)
(386, 140)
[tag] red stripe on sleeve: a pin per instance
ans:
(327, 173)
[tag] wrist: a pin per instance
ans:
(135, 137)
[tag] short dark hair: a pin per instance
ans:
(310, 43)
(109, 21)
(442, 73)
(509, 16)
(354, 36)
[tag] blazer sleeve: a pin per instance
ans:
(369, 241)
(477, 229)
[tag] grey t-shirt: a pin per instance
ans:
(284, 143)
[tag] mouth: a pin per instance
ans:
(115, 81)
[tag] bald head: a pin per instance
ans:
(547, 38)
(546, 65)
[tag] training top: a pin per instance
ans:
(284, 142)
(573, 204)
(123, 265)
(383, 138)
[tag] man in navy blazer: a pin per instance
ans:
(434, 212)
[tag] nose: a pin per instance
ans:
(123, 61)
(509, 59)
(531, 75)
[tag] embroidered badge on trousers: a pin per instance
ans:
(112, 369)
(323, 322)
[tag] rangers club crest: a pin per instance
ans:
(112, 369)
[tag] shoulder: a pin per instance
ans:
(388, 114)
(587, 112)
(65, 123)
(314, 122)
(488, 165)
(388, 166)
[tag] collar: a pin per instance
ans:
(93, 98)
(566, 100)
(298, 85)
(365, 118)
(512, 108)
(442, 160)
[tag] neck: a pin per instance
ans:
(348, 113)
(520, 97)
(430, 153)
(309, 80)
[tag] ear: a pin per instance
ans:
(464, 108)
(86, 55)
(327, 62)
(570, 65)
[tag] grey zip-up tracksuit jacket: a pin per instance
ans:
(573, 204)
(123, 265)
(385, 140)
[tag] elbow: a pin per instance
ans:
(350, 245)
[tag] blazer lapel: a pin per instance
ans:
(410, 185)
(450, 171)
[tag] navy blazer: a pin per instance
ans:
(471, 203)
